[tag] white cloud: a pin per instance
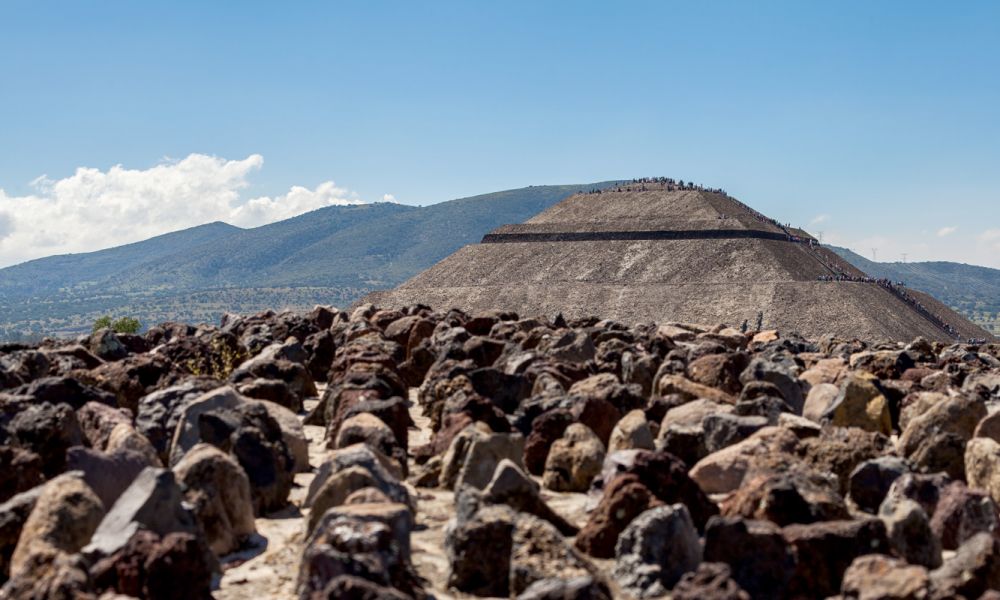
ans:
(990, 235)
(819, 219)
(389, 198)
(946, 231)
(94, 209)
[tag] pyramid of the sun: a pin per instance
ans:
(656, 253)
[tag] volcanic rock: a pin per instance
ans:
(880, 577)
(64, 516)
(218, 492)
(574, 460)
(655, 550)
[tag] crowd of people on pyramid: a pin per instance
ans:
(641, 184)
(896, 288)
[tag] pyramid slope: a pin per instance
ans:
(663, 255)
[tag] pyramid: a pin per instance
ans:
(659, 251)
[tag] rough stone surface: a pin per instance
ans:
(880, 577)
(218, 491)
(539, 552)
(479, 552)
(910, 535)
(859, 403)
(982, 466)
(710, 581)
(655, 550)
(574, 460)
(62, 520)
(961, 513)
(631, 432)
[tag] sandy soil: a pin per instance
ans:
(269, 570)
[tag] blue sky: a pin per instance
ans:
(874, 122)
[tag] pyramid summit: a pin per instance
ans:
(656, 250)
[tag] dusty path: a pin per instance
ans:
(270, 570)
(272, 573)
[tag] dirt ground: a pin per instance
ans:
(270, 569)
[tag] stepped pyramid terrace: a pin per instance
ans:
(656, 250)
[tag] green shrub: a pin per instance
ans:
(120, 325)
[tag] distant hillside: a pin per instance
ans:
(333, 255)
(973, 291)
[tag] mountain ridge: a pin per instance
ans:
(345, 250)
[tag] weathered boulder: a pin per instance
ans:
(838, 450)
(971, 571)
(376, 465)
(795, 496)
(368, 429)
(631, 432)
(337, 489)
(65, 576)
(655, 550)
(546, 428)
(710, 581)
(47, 430)
(153, 502)
(909, 531)
(104, 344)
(860, 404)
(255, 439)
(292, 433)
(474, 454)
(880, 577)
(97, 420)
(539, 552)
(13, 514)
(961, 513)
(824, 551)
(159, 412)
(188, 428)
(107, 474)
(723, 471)
(782, 372)
(721, 371)
(574, 460)
(676, 384)
(571, 588)
(820, 398)
(394, 412)
(170, 567)
(271, 390)
(218, 491)
(510, 485)
(64, 516)
(935, 439)
(479, 552)
(625, 498)
(131, 378)
(757, 553)
(20, 470)
(982, 466)
(870, 481)
(724, 430)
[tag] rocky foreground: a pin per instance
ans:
(416, 454)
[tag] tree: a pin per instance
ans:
(126, 325)
(103, 323)
(119, 325)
